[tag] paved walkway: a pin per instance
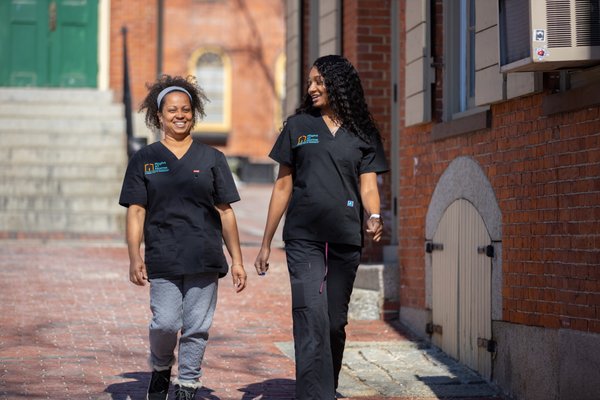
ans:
(73, 327)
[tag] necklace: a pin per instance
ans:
(332, 124)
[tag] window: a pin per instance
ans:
(213, 71)
(459, 57)
(471, 77)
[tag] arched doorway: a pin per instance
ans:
(461, 279)
(463, 206)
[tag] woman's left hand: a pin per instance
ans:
(239, 276)
(375, 228)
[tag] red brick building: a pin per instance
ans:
(68, 52)
(234, 48)
(493, 202)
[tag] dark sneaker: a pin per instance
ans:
(185, 393)
(159, 385)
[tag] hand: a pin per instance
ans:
(239, 276)
(375, 228)
(137, 272)
(262, 260)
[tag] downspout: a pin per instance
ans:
(395, 126)
(159, 38)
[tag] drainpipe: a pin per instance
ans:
(159, 38)
(395, 131)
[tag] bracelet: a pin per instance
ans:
(375, 216)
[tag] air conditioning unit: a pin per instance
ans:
(548, 35)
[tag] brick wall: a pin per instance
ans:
(545, 171)
(367, 44)
(250, 33)
(547, 175)
(140, 18)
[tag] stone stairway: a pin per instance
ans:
(63, 155)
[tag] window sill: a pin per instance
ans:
(571, 100)
(460, 126)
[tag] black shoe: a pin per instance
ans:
(185, 393)
(159, 385)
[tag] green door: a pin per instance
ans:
(48, 43)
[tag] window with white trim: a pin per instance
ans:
(213, 72)
(459, 57)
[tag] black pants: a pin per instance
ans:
(321, 276)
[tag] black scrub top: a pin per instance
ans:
(182, 230)
(325, 204)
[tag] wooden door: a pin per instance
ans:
(461, 279)
(48, 43)
(444, 266)
(24, 43)
(73, 43)
(475, 294)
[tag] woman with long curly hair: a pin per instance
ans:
(329, 154)
(178, 194)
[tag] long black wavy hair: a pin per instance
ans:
(189, 83)
(346, 97)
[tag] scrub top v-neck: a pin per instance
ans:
(325, 203)
(182, 230)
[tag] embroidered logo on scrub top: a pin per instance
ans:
(155, 168)
(350, 203)
(311, 138)
(196, 172)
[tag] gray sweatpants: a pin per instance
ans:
(187, 304)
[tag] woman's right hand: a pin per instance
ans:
(262, 260)
(137, 272)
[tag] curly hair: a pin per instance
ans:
(346, 97)
(189, 83)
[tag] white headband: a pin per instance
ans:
(168, 90)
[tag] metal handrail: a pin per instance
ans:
(133, 143)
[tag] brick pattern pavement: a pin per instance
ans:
(73, 327)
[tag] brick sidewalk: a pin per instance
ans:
(73, 327)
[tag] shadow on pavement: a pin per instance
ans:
(136, 388)
(403, 330)
(205, 394)
(271, 389)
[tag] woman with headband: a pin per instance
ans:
(178, 194)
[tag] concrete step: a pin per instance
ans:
(89, 156)
(52, 171)
(63, 187)
(64, 153)
(55, 111)
(41, 221)
(72, 204)
(65, 139)
(25, 126)
(63, 97)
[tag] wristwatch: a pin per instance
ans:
(377, 217)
